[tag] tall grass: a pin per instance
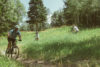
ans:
(3, 43)
(5, 62)
(61, 44)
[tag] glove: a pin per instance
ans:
(20, 40)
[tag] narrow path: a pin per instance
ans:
(38, 63)
(33, 63)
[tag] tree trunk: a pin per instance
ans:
(31, 27)
(37, 34)
(87, 20)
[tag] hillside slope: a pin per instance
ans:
(61, 44)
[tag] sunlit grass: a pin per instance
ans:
(3, 43)
(60, 44)
(5, 62)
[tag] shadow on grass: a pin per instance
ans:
(89, 49)
(66, 50)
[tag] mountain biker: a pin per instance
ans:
(75, 28)
(12, 34)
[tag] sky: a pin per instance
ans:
(53, 5)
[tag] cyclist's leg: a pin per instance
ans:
(9, 43)
(14, 42)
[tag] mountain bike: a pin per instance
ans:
(13, 52)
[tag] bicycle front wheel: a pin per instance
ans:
(15, 52)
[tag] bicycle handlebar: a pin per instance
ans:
(19, 40)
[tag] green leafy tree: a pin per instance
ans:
(85, 13)
(37, 13)
(11, 12)
(57, 19)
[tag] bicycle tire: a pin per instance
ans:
(16, 52)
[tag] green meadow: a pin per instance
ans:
(5, 62)
(59, 44)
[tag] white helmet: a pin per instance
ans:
(17, 26)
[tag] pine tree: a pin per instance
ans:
(37, 13)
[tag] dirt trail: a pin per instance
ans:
(30, 62)
(33, 63)
(39, 63)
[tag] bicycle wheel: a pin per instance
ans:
(8, 53)
(15, 52)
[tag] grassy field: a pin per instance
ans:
(5, 62)
(60, 44)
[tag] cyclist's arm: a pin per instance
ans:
(19, 35)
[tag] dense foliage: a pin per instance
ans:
(37, 13)
(11, 12)
(57, 19)
(82, 12)
(85, 13)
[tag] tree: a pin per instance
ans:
(85, 13)
(57, 19)
(11, 12)
(37, 13)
